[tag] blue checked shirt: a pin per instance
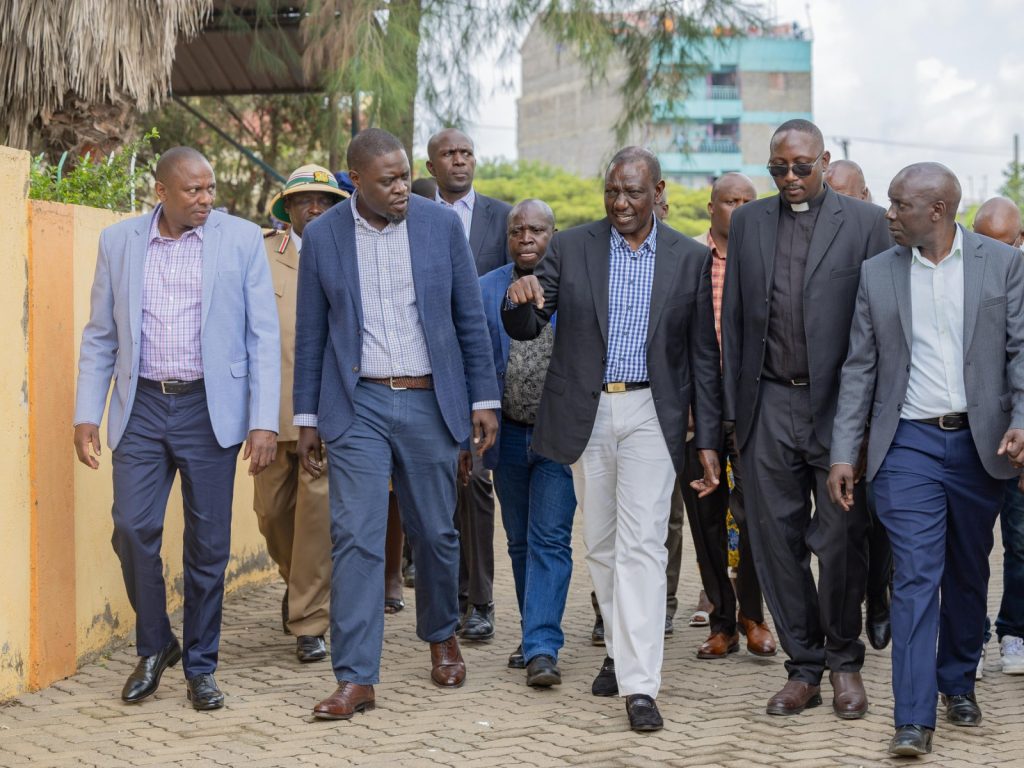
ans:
(630, 278)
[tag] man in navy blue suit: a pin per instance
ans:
(393, 371)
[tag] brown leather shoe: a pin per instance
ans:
(759, 638)
(448, 668)
(794, 698)
(718, 646)
(348, 699)
(849, 699)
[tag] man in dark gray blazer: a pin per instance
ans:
(452, 163)
(790, 285)
(935, 365)
(635, 347)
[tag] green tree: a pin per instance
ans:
(1013, 186)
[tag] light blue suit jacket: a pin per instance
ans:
(240, 337)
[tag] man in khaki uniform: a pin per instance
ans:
(291, 506)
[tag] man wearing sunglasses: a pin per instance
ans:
(790, 288)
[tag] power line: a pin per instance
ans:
(916, 145)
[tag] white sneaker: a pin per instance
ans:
(1012, 651)
(979, 673)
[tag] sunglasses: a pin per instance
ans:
(803, 170)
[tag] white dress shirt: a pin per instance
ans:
(296, 239)
(463, 208)
(936, 385)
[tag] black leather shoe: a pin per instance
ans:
(310, 648)
(876, 621)
(479, 623)
(516, 660)
(409, 575)
(669, 628)
(543, 672)
(643, 713)
(605, 683)
(962, 710)
(145, 678)
(910, 740)
(597, 634)
(284, 613)
(204, 693)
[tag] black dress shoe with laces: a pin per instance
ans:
(543, 672)
(310, 648)
(204, 693)
(597, 633)
(145, 678)
(643, 713)
(516, 660)
(962, 710)
(911, 740)
(605, 683)
(479, 623)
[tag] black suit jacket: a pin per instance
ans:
(847, 232)
(488, 233)
(682, 350)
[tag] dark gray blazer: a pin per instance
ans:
(488, 234)
(682, 350)
(848, 231)
(876, 372)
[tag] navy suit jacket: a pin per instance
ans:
(493, 287)
(488, 233)
(329, 319)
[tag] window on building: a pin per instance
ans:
(724, 84)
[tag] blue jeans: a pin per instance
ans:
(537, 508)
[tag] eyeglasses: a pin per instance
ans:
(803, 170)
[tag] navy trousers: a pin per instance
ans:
(169, 434)
(939, 506)
(399, 435)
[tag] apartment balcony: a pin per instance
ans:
(713, 163)
(719, 146)
(723, 92)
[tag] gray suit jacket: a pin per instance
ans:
(847, 232)
(877, 369)
(488, 234)
(682, 350)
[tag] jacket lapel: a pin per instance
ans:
(769, 234)
(343, 229)
(419, 232)
(666, 265)
(830, 218)
(137, 248)
(211, 251)
(596, 253)
(478, 223)
(901, 285)
(974, 272)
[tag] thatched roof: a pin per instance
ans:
(93, 50)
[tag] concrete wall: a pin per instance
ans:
(64, 600)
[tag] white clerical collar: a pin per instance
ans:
(800, 207)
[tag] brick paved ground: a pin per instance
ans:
(714, 710)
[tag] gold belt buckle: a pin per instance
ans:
(616, 386)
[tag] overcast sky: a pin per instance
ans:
(935, 75)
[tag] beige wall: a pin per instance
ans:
(64, 600)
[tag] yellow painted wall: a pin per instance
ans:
(14, 469)
(102, 616)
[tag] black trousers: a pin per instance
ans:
(474, 520)
(879, 549)
(706, 517)
(783, 464)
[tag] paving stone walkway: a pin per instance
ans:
(714, 710)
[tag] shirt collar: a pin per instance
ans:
(714, 248)
(154, 228)
(647, 245)
(296, 239)
(956, 252)
(361, 222)
(468, 200)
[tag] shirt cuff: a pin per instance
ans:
(305, 420)
(487, 405)
(840, 463)
(509, 304)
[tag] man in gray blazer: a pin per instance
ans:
(452, 163)
(635, 347)
(183, 319)
(935, 366)
(790, 285)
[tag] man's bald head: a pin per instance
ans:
(924, 198)
(933, 182)
(176, 157)
(847, 178)
(733, 182)
(446, 136)
(1000, 219)
(533, 205)
(729, 192)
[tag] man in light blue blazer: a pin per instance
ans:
(183, 320)
(393, 370)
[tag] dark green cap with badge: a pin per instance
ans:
(308, 178)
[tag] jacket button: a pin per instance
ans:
(908, 367)
(593, 395)
(355, 369)
(899, 407)
(757, 380)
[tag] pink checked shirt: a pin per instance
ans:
(172, 302)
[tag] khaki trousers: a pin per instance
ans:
(294, 517)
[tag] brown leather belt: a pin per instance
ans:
(949, 422)
(405, 382)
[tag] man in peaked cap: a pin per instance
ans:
(292, 506)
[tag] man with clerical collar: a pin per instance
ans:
(791, 282)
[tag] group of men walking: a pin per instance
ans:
(394, 346)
